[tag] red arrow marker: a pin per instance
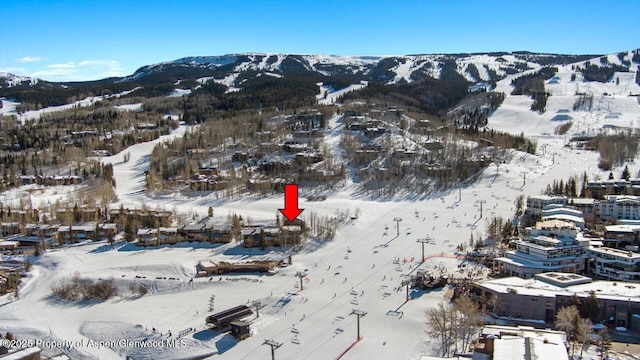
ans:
(291, 210)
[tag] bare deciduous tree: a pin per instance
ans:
(453, 325)
(577, 329)
(470, 320)
(604, 342)
(438, 321)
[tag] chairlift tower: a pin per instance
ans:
(301, 275)
(426, 240)
(407, 283)
(274, 345)
(359, 314)
(481, 202)
(397, 220)
(257, 304)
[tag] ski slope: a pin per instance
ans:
(362, 268)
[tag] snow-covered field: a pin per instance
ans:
(329, 97)
(9, 107)
(612, 106)
(129, 107)
(356, 270)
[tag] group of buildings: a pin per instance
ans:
(270, 161)
(611, 208)
(145, 227)
(561, 242)
(561, 259)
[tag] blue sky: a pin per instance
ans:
(85, 40)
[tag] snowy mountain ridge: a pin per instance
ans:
(477, 67)
(362, 268)
(11, 80)
(473, 67)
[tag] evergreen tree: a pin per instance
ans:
(520, 205)
(76, 213)
(572, 186)
(574, 300)
(625, 173)
(591, 307)
(583, 188)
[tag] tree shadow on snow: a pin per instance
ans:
(132, 246)
(55, 301)
(241, 250)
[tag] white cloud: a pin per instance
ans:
(30, 59)
(69, 65)
(14, 70)
(80, 71)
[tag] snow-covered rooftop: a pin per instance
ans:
(537, 287)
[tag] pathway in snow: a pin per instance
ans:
(129, 176)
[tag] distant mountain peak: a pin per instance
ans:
(8, 80)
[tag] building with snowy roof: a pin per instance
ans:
(599, 189)
(562, 117)
(30, 353)
(520, 342)
(552, 245)
(536, 301)
(585, 205)
(76, 233)
(537, 203)
(621, 236)
(8, 245)
(617, 207)
(615, 264)
(559, 212)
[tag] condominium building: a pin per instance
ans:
(617, 207)
(537, 203)
(552, 245)
(615, 264)
(537, 301)
(559, 212)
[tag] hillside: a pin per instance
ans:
(243, 72)
(383, 147)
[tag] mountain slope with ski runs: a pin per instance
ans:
(375, 247)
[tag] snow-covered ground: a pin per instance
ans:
(329, 96)
(129, 107)
(356, 270)
(9, 107)
(180, 92)
(612, 105)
